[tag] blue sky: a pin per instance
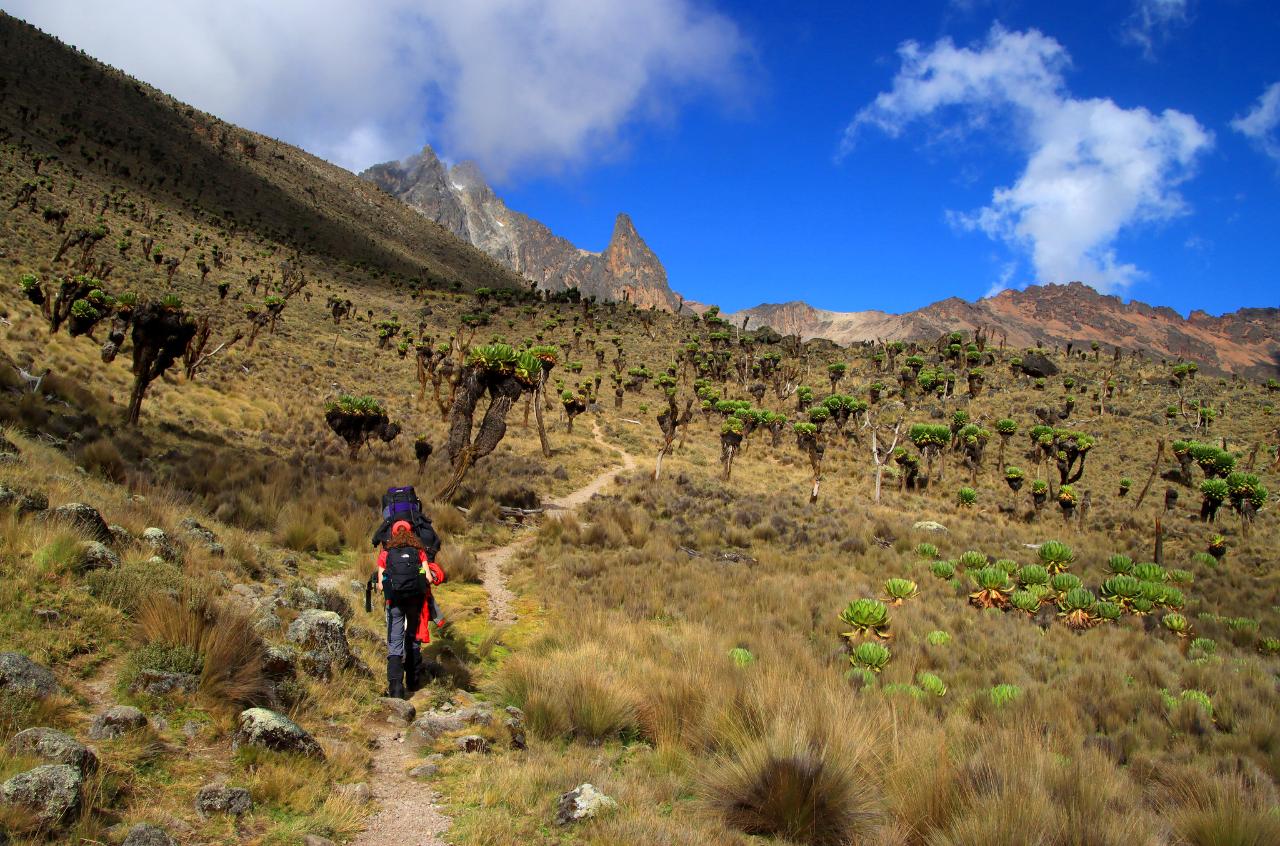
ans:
(774, 151)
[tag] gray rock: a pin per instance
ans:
(23, 501)
(928, 526)
(84, 517)
(203, 536)
(290, 564)
(165, 548)
(398, 711)
(121, 538)
(266, 729)
(160, 683)
(317, 840)
(19, 674)
(96, 555)
(280, 662)
(115, 721)
(53, 747)
(47, 615)
(302, 598)
(143, 834)
(428, 768)
(322, 636)
(332, 592)
(220, 799)
(472, 743)
(515, 727)
(582, 803)
(1038, 365)
(433, 724)
(358, 794)
(50, 791)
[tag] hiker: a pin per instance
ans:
(402, 503)
(405, 575)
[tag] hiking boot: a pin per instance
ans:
(395, 677)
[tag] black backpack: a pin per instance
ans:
(403, 577)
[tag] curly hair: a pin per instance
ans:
(404, 537)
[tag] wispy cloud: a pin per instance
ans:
(1093, 168)
(1261, 124)
(515, 84)
(1153, 22)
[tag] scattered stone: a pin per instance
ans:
(1038, 365)
(115, 721)
(268, 730)
(429, 768)
(191, 729)
(582, 803)
(98, 556)
(121, 537)
(280, 662)
(515, 727)
(928, 526)
(24, 502)
(84, 517)
(160, 683)
(317, 840)
(220, 799)
(159, 540)
(433, 724)
(302, 598)
(472, 743)
(203, 536)
(54, 747)
(19, 674)
(399, 712)
(144, 834)
(332, 595)
(322, 635)
(50, 791)
(291, 564)
(357, 794)
(47, 615)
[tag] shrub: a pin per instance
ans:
(943, 569)
(870, 655)
(865, 615)
(459, 564)
(966, 497)
(1055, 556)
(1003, 694)
(899, 590)
(972, 559)
(926, 550)
(937, 638)
(931, 683)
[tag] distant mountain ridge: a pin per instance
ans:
(459, 199)
(1246, 341)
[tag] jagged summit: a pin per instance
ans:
(461, 200)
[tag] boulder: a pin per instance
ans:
(928, 526)
(143, 834)
(220, 799)
(332, 592)
(203, 537)
(23, 501)
(280, 662)
(162, 544)
(515, 727)
(317, 840)
(84, 517)
(433, 724)
(96, 555)
(266, 729)
(322, 636)
(115, 721)
(160, 683)
(302, 598)
(472, 743)
(582, 803)
(50, 791)
(1038, 365)
(19, 674)
(428, 768)
(121, 538)
(53, 747)
(398, 711)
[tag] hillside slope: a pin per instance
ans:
(1246, 341)
(459, 199)
(169, 153)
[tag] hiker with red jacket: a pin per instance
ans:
(405, 575)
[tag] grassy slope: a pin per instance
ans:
(628, 685)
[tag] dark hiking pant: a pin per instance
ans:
(402, 629)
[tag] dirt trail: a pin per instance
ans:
(408, 814)
(492, 561)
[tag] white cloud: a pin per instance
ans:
(515, 84)
(1260, 125)
(1153, 21)
(1093, 168)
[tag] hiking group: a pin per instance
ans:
(406, 572)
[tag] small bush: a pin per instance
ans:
(103, 457)
(459, 564)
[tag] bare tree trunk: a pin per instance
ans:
(537, 414)
(1155, 468)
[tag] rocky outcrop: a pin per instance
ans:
(460, 200)
(19, 674)
(268, 730)
(1245, 341)
(51, 792)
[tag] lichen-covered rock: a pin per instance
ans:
(50, 791)
(280, 662)
(515, 727)
(472, 743)
(322, 636)
(96, 555)
(356, 794)
(302, 598)
(161, 683)
(398, 711)
(121, 538)
(582, 803)
(433, 724)
(429, 767)
(19, 674)
(266, 729)
(53, 747)
(203, 537)
(115, 721)
(162, 544)
(332, 592)
(85, 518)
(143, 834)
(23, 501)
(928, 526)
(220, 799)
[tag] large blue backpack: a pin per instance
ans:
(400, 501)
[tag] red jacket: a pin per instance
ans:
(435, 576)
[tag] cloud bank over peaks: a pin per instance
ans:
(513, 84)
(1093, 168)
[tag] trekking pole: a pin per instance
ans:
(368, 595)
